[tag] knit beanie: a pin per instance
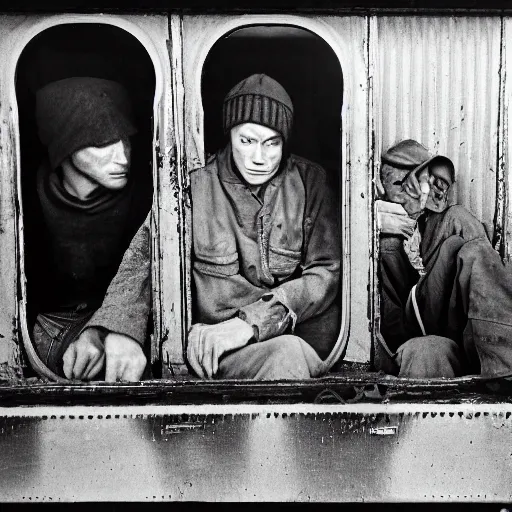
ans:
(79, 112)
(259, 99)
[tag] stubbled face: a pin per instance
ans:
(257, 151)
(108, 165)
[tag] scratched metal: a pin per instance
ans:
(437, 80)
(324, 453)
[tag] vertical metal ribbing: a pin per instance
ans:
(439, 84)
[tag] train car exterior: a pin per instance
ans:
(440, 78)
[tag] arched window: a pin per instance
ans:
(65, 51)
(303, 63)
(309, 70)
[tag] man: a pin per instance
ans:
(90, 206)
(266, 251)
(457, 317)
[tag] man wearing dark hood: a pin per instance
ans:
(92, 201)
(455, 316)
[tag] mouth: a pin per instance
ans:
(257, 172)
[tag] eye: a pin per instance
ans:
(273, 142)
(245, 140)
(441, 185)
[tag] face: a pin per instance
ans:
(440, 183)
(257, 151)
(108, 165)
(441, 179)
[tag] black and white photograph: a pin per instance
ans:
(257, 253)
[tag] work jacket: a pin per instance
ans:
(273, 257)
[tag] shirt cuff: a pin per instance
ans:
(121, 323)
(268, 316)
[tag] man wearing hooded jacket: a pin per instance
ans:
(91, 201)
(456, 318)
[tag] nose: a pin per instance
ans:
(257, 155)
(121, 153)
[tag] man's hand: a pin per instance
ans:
(206, 343)
(125, 359)
(411, 185)
(392, 219)
(84, 357)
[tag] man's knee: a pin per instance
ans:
(288, 357)
(430, 357)
(285, 357)
(465, 223)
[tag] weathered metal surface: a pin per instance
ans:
(506, 135)
(298, 452)
(437, 80)
(9, 333)
(346, 387)
(174, 284)
(348, 39)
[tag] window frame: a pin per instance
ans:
(178, 148)
(152, 33)
(195, 37)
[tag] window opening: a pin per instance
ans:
(309, 71)
(79, 50)
(303, 63)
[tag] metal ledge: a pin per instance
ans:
(348, 387)
(295, 452)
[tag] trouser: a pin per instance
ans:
(282, 357)
(429, 357)
(54, 332)
(465, 296)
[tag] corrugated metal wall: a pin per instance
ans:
(437, 81)
(506, 133)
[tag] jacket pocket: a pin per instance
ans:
(217, 266)
(283, 262)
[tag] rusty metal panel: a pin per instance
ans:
(362, 452)
(506, 135)
(9, 335)
(437, 81)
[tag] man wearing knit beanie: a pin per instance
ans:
(456, 318)
(266, 250)
(90, 203)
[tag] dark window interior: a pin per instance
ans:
(96, 50)
(307, 67)
(303, 63)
